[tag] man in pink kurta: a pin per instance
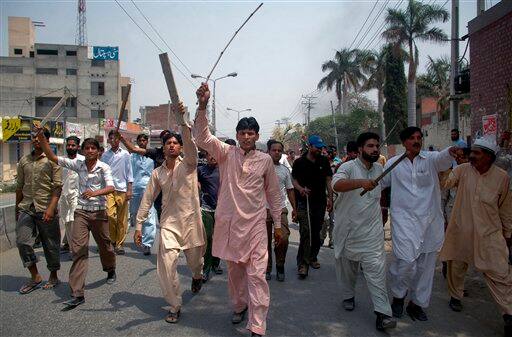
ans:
(247, 182)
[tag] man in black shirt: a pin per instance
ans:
(155, 153)
(312, 179)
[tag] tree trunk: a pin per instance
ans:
(345, 96)
(380, 104)
(411, 88)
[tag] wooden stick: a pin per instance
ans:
(391, 167)
(229, 42)
(123, 106)
(171, 85)
(55, 108)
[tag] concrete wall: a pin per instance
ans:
(438, 134)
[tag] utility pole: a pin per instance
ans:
(480, 7)
(454, 68)
(168, 114)
(307, 101)
(278, 123)
(335, 130)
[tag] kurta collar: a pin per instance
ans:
(178, 161)
(245, 154)
(422, 154)
(42, 155)
(489, 171)
(363, 166)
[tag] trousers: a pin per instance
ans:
(308, 249)
(281, 249)
(117, 212)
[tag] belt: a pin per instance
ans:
(91, 208)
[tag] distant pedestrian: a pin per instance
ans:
(70, 192)
(275, 150)
(38, 187)
(142, 168)
(117, 203)
(352, 151)
(312, 181)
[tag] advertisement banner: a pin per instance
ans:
(16, 129)
(490, 125)
(73, 129)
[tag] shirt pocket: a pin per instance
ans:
(423, 178)
(488, 196)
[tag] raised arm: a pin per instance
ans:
(201, 131)
(45, 146)
(130, 147)
(189, 146)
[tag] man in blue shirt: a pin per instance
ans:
(455, 135)
(142, 167)
(208, 178)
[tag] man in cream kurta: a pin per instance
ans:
(417, 228)
(480, 228)
(358, 232)
(247, 181)
(181, 225)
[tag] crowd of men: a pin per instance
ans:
(234, 206)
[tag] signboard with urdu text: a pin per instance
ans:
(105, 53)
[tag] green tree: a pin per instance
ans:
(344, 74)
(375, 69)
(436, 83)
(394, 109)
(407, 27)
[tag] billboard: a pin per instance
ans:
(19, 129)
(105, 53)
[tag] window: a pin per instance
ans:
(98, 88)
(32, 54)
(97, 63)
(18, 51)
(70, 52)
(70, 71)
(47, 52)
(11, 70)
(46, 71)
(97, 113)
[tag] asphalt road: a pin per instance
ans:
(134, 306)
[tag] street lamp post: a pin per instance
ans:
(214, 117)
(238, 112)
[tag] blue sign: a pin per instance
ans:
(105, 53)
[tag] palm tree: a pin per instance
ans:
(436, 83)
(344, 74)
(407, 27)
(374, 66)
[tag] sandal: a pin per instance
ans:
(173, 317)
(30, 287)
(51, 284)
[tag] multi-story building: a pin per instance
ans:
(35, 76)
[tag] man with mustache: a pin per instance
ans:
(69, 196)
(247, 182)
(417, 228)
(480, 228)
(358, 231)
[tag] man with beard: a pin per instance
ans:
(95, 181)
(455, 136)
(247, 182)
(418, 225)
(69, 196)
(311, 178)
(358, 232)
(352, 151)
(38, 187)
(158, 156)
(275, 150)
(480, 228)
(180, 223)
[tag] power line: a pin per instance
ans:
(142, 30)
(378, 32)
(373, 23)
(160, 36)
(364, 23)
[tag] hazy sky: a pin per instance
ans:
(277, 55)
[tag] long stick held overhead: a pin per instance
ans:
(232, 38)
(123, 107)
(383, 174)
(171, 85)
(55, 108)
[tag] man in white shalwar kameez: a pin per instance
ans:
(417, 229)
(358, 232)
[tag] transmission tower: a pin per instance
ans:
(81, 25)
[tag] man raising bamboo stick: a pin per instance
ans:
(240, 237)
